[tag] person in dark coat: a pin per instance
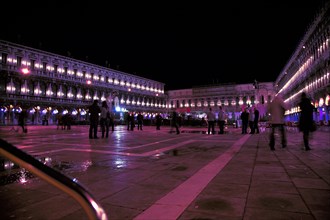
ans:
(139, 121)
(158, 121)
(22, 120)
(245, 121)
(128, 120)
(132, 121)
(306, 118)
(174, 122)
(94, 111)
(104, 120)
(256, 121)
(221, 120)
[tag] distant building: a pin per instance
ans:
(233, 98)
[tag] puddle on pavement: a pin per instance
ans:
(13, 173)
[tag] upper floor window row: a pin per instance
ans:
(43, 66)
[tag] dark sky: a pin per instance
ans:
(181, 45)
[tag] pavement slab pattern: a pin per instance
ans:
(155, 174)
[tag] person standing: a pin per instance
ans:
(158, 121)
(251, 121)
(94, 111)
(256, 120)
(211, 121)
(132, 121)
(112, 120)
(245, 120)
(128, 120)
(277, 109)
(221, 120)
(139, 118)
(59, 118)
(105, 118)
(305, 119)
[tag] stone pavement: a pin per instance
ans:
(154, 174)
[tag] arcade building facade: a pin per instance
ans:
(308, 70)
(47, 84)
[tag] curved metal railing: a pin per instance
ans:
(92, 208)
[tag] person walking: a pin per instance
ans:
(221, 120)
(211, 121)
(22, 120)
(277, 109)
(256, 121)
(94, 111)
(105, 118)
(175, 122)
(305, 119)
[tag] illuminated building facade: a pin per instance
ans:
(231, 97)
(308, 70)
(48, 84)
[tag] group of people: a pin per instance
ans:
(277, 110)
(130, 120)
(64, 121)
(106, 119)
(211, 121)
(250, 118)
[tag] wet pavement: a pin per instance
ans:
(155, 174)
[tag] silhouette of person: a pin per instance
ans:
(175, 122)
(256, 121)
(245, 120)
(305, 119)
(104, 121)
(22, 120)
(132, 121)
(158, 121)
(221, 120)
(111, 120)
(128, 120)
(277, 109)
(94, 111)
(251, 120)
(139, 118)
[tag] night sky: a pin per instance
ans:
(181, 45)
